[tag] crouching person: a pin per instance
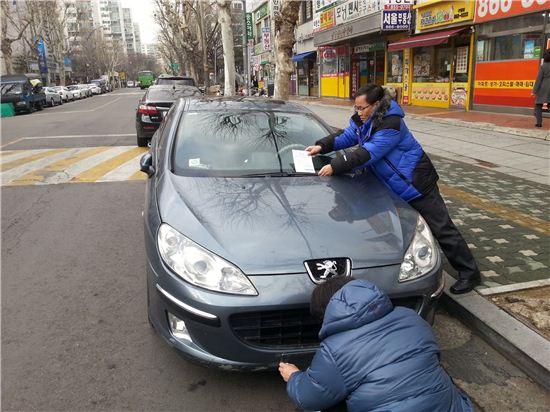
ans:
(374, 356)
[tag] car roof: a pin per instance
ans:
(244, 103)
(14, 78)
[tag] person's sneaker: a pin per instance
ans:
(465, 285)
(538, 125)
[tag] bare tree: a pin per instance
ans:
(10, 19)
(224, 19)
(285, 24)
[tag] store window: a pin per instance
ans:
(510, 47)
(432, 64)
(395, 67)
(329, 62)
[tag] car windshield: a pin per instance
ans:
(177, 82)
(11, 88)
(244, 143)
(73, 87)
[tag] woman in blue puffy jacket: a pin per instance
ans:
(372, 355)
(384, 144)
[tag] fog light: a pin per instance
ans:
(178, 328)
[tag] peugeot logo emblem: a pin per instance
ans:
(329, 267)
(319, 270)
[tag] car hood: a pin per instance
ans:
(272, 225)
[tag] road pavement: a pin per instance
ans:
(74, 330)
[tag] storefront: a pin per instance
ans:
(433, 69)
(367, 64)
(510, 40)
(340, 27)
(307, 72)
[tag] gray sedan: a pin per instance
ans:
(237, 236)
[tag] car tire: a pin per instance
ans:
(40, 105)
(142, 141)
(52, 103)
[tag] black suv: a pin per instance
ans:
(154, 105)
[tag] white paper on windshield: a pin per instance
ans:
(303, 162)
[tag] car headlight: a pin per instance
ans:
(422, 254)
(200, 267)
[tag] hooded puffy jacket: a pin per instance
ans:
(389, 149)
(377, 357)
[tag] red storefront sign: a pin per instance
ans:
(487, 10)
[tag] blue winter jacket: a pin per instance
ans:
(389, 149)
(377, 357)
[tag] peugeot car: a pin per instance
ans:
(237, 236)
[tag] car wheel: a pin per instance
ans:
(30, 108)
(40, 105)
(52, 103)
(142, 141)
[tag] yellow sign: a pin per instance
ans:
(443, 13)
(504, 84)
(122, 76)
(431, 94)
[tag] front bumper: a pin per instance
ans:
(211, 318)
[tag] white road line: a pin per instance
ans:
(513, 287)
(122, 172)
(83, 165)
(10, 175)
(76, 135)
(11, 155)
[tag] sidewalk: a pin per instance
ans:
(496, 182)
(519, 125)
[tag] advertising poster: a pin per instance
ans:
(406, 71)
(396, 15)
(42, 62)
(459, 95)
(266, 38)
(431, 94)
(529, 49)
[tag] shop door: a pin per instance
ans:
(313, 80)
(378, 73)
(343, 76)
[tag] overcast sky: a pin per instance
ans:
(142, 13)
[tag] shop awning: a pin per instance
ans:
(431, 39)
(302, 56)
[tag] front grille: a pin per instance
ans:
(277, 329)
(294, 328)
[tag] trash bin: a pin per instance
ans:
(270, 89)
(7, 110)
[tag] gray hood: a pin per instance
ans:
(272, 225)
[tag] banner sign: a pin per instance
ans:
(266, 38)
(497, 9)
(261, 12)
(320, 5)
(340, 12)
(249, 26)
(444, 13)
(396, 15)
(42, 62)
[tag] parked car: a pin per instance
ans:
(76, 91)
(236, 239)
(164, 80)
(24, 92)
(52, 97)
(95, 89)
(153, 106)
(130, 83)
(103, 84)
(87, 91)
(65, 93)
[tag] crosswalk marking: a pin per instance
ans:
(95, 173)
(27, 159)
(70, 165)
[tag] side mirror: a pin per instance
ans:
(146, 164)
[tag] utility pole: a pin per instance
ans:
(245, 52)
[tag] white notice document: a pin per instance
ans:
(303, 162)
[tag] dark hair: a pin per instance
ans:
(323, 293)
(546, 56)
(374, 93)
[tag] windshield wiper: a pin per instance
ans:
(276, 174)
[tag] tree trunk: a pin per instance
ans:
(224, 18)
(7, 53)
(285, 23)
(202, 36)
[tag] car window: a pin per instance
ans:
(241, 143)
(11, 88)
(177, 82)
(170, 94)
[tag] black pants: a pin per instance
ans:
(538, 113)
(434, 211)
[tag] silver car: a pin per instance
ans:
(52, 97)
(236, 238)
